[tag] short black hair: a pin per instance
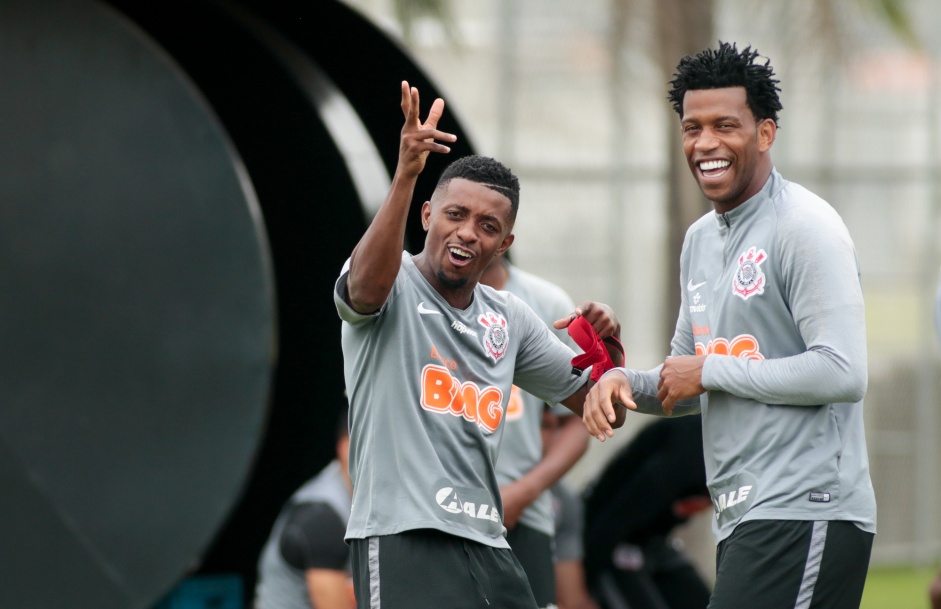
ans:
(486, 171)
(727, 67)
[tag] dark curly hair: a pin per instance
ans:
(727, 67)
(486, 171)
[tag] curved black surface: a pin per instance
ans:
(149, 433)
(270, 70)
(137, 333)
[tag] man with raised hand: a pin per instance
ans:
(430, 356)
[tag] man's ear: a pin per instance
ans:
(767, 130)
(507, 242)
(426, 215)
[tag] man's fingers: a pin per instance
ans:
(561, 324)
(600, 316)
(626, 398)
(406, 99)
(590, 416)
(424, 140)
(668, 403)
(434, 115)
(434, 134)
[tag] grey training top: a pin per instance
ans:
(771, 293)
(521, 449)
(280, 585)
(428, 386)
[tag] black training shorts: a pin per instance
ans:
(427, 569)
(792, 564)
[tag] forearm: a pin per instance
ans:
(824, 301)
(328, 589)
(644, 384)
(818, 376)
(375, 261)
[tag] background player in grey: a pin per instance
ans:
(524, 470)
(567, 515)
(305, 563)
(430, 357)
(770, 345)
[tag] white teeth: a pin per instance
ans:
(459, 252)
(710, 165)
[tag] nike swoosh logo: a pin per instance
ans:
(694, 286)
(423, 311)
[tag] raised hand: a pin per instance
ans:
(418, 138)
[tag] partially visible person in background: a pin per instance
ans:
(653, 484)
(934, 590)
(567, 515)
(527, 467)
(305, 563)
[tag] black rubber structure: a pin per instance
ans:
(181, 182)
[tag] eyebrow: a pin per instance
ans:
(718, 119)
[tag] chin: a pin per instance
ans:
(452, 283)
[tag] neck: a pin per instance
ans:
(458, 297)
(761, 178)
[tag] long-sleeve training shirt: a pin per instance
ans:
(772, 296)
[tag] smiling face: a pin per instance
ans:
(727, 149)
(468, 225)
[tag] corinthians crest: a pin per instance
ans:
(748, 280)
(496, 337)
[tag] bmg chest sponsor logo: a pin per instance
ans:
(743, 346)
(470, 502)
(444, 394)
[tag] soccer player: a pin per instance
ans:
(305, 563)
(770, 346)
(430, 356)
(527, 467)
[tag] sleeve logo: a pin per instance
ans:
(749, 280)
(496, 335)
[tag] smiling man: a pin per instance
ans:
(770, 346)
(430, 356)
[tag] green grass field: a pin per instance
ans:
(897, 588)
